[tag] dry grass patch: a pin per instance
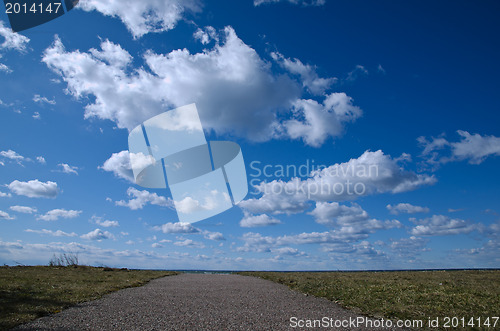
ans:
(27, 293)
(402, 295)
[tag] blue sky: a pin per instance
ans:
(407, 89)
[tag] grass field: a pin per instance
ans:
(27, 293)
(405, 295)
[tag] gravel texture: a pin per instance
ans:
(197, 302)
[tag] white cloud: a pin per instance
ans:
(57, 233)
(36, 116)
(409, 247)
(473, 148)
(5, 216)
(5, 68)
(104, 223)
(371, 173)
(206, 35)
(251, 221)
(67, 169)
(381, 69)
(178, 227)
(211, 201)
(119, 165)
(34, 189)
(142, 198)
(55, 214)
(23, 209)
(12, 155)
(235, 89)
(336, 214)
(258, 243)
(363, 249)
(295, 2)
(12, 40)
(276, 203)
(309, 77)
(358, 71)
(98, 235)
(217, 236)
(314, 122)
(189, 243)
(441, 225)
(41, 159)
(350, 220)
(287, 251)
(406, 208)
(39, 99)
(142, 17)
(5, 195)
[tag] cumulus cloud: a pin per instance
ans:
(5, 68)
(295, 2)
(119, 164)
(251, 221)
(314, 122)
(206, 35)
(363, 249)
(211, 201)
(409, 247)
(347, 233)
(5, 195)
(23, 209)
(41, 100)
(371, 173)
(216, 236)
(103, 222)
(5, 216)
(406, 208)
(309, 77)
(34, 189)
(352, 220)
(146, 16)
(357, 72)
(12, 40)
(441, 225)
(55, 214)
(235, 89)
(57, 233)
(12, 155)
(67, 169)
(98, 235)
(179, 227)
(41, 159)
(473, 148)
(139, 199)
(189, 243)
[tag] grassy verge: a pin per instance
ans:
(27, 293)
(406, 295)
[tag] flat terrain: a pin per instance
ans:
(195, 302)
(27, 293)
(405, 295)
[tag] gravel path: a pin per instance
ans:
(197, 302)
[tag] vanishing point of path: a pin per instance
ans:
(196, 302)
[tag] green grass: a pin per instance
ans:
(402, 295)
(27, 293)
